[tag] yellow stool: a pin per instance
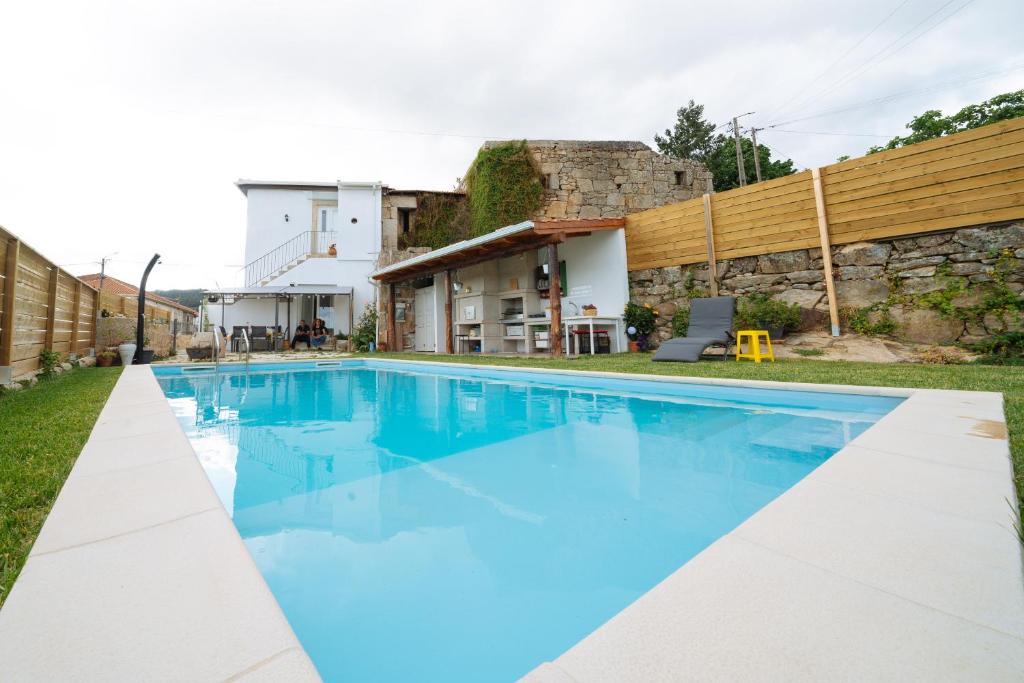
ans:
(753, 339)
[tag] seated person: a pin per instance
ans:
(301, 334)
(319, 333)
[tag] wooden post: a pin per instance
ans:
(392, 335)
(757, 158)
(10, 292)
(555, 297)
(95, 315)
(709, 237)
(826, 251)
(76, 311)
(449, 339)
(51, 307)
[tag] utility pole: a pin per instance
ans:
(739, 152)
(99, 292)
(757, 157)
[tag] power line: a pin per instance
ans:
(788, 102)
(884, 53)
(937, 87)
(821, 132)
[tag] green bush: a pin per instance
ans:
(680, 322)
(504, 187)
(641, 318)
(48, 360)
(366, 329)
(1002, 349)
(757, 310)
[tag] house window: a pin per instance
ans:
(405, 220)
(323, 220)
(680, 177)
(549, 181)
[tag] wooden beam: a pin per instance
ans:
(555, 297)
(449, 326)
(10, 293)
(51, 307)
(76, 312)
(392, 338)
(826, 250)
(709, 238)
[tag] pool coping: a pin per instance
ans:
(128, 574)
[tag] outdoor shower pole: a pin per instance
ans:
(140, 324)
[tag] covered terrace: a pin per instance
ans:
(493, 303)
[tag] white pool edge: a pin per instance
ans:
(141, 586)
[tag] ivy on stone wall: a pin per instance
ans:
(503, 187)
(441, 219)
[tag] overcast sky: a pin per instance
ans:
(124, 124)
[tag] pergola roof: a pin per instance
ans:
(506, 241)
(280, 290)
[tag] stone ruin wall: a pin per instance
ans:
(594, 179)
(893, 273)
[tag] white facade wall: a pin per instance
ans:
(266, 228)
(597, 263)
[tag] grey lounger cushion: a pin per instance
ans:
(710, 323)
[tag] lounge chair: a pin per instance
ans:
(710, 325)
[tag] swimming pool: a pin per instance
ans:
(426, 522)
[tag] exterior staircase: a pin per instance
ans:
(299, 249)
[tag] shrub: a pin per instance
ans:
(941, 355)
(1002, 349)
(680, 322)
(758, 310)
(641, 319)
(48, 360)
(366, 329)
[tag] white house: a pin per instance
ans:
(310, 248)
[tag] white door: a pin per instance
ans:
(425, 334)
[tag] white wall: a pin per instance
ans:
(266, 228)
(359, 202)
(597, 262)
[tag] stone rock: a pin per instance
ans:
(748, 281)
(969, 268)
(926, 326)
(804, 298)
(986, 239)
(66, 366)
(981, 277)
(863, 254)
(926, 271)
(87, 361)
(746, 264)
(969, 256)
(861, 293)
(860, 272)
(921, 285)
(806, 276)
(667, 309)
(13, 386)
(783, 262)
(897, 266)
(672, 274)
(934, 240)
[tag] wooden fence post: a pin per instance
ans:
(392, 335)
(10, 301)
(826, 250)
(709, 237)
(95, 317)
(76, 312)
(51, 308)
(449, 325)
(555, 299)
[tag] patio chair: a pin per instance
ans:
(710, 325)
(258, 338)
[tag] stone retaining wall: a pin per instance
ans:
(904, 282)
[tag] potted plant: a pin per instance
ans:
(332, 250)
(146, 357)
(639, 321)
(105, 359)
(761, 312)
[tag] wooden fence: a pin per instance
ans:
(970, 178)
(41, 307)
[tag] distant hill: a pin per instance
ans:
(186, 297)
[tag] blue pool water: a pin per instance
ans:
(430, 523)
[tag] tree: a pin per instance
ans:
(693, 138)
(932, 124)
(722, 163)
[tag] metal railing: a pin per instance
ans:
(248, 348)
(307, 244)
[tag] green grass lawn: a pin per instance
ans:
(1009, 380)
(42, 431)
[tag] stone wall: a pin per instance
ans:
(905, 281)
(597, 179)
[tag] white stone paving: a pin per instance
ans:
(895, 560)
